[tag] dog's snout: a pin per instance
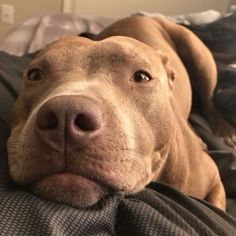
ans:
(69, 116)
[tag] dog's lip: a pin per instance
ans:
(70, 189)
(68, 178)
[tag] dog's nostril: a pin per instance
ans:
(47, 121)
(86, 122)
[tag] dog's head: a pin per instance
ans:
(92, 118)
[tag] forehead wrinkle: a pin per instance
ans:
(136, 54)
(106, 54)
(113, 55)
(60, 59)
(102, 54)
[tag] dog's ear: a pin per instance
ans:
(171, 74)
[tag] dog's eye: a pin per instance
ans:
(141, 77)
(34, 74)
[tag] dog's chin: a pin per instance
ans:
(73, 190)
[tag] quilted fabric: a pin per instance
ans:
(161, 212)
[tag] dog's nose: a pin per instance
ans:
(69, 116)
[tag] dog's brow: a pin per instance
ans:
(112, 56)
(126, 54)
(60, 59)
(109, 55)
(117, 54)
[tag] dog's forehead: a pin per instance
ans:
(112, 52)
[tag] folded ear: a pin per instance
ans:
(171, 74)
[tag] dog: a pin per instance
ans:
(97, 117)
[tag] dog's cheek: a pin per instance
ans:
(26, 162)
(15, 162)
(18, 113)
(18, 162)
(162, 123)
(141, 171)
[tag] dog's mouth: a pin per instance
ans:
(71, 189)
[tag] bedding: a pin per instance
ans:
(159, 209)
(35, 33)
(220, 37)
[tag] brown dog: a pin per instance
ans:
(96, 117)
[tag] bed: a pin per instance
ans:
(159, 209)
